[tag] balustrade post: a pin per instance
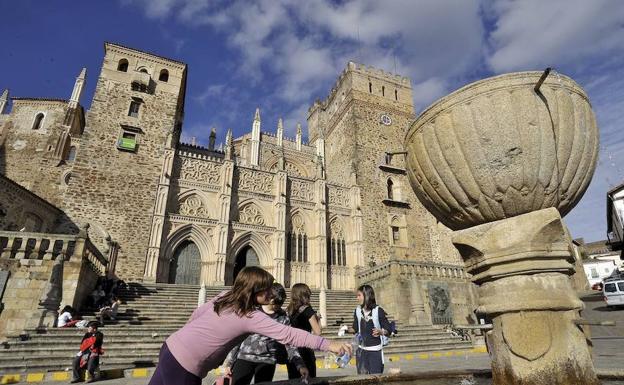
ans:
(323, 306)
(8, 249)
(201, 298)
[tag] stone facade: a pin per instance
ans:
(316, 212)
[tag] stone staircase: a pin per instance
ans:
(151, 312)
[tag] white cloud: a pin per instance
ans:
(535, 33)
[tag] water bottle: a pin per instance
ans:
(343, 360)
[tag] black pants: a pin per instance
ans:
(92, 365)
(310, 360)
(170, 372)
(244, 371)
(369, 362)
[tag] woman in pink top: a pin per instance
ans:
(224, 322)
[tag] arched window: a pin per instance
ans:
(144, 70)
(71, 154)
(38, 120)
(390, 189)
(164, 76)
(370, 87)
(123, 65)
(383, 91)
(297, 248)
(336, 245)
(396, 95)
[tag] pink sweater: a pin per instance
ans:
(204, 342)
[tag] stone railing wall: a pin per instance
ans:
(46, 271)
(422, 292)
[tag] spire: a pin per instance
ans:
(228, 144)
(254, 155)
(299, 136)
(280, 132)
(212, 138)
(4, 98)
(78, 87)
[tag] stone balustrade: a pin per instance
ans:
(44, 246)
(412, 268)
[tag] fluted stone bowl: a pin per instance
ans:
(495, 149)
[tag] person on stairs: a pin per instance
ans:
(110, 311)
(89, 355)
(372, 325)
(223, 323)
(257, 356)
(302, 316)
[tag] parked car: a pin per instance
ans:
(613, 292)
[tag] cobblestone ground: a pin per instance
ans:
(608, 350)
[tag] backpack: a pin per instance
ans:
(375, 315)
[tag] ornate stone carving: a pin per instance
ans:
(250, 214)
(193, 207)
(336, 230)
(200, 171)
(298, 224)
(256, 181)
(339, 196)
(301, 189)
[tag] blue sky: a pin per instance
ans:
(280, 55)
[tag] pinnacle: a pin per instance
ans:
(257, 115)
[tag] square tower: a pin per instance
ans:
(135, 115)
(363, 124)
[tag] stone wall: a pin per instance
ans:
(402, 288)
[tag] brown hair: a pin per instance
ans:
(241, 299)
(299, 296)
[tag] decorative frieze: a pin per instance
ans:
(193, 207)
(339, 196)
(256, 181)
(200, 171)
(301, 189)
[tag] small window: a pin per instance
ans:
(144, 70)
(390, 189)
(383, 91)
(164, 76)
(123, 65)
(38, 120)
(594, 272)
(396, 236)
(134, 109)
(396, 95)
(136, 86)
(128, 141)
(370, 87)
(620, 286)
(610, 288)
(71, 154)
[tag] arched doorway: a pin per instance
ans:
(185, 265)
(246, 257)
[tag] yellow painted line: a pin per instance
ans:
(218, 371)
(480, 349)
(409, 357)
(352, 361)
(448, 354)
(10, 379)
(142, 372)
(436, 354)
(282, 368)
(319, 364)
(60, 376)
(423, 356)
(461, 353)
(35, 377)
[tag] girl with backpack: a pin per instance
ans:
(371, 323)
(223, 323)
(303, 316)
(256, 357)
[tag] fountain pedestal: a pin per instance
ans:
(522, 267)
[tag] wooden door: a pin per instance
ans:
(185, 265)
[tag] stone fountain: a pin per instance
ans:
(500, 161)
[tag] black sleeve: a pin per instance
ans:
(308, 312)
(356, 327)
(383, 320)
